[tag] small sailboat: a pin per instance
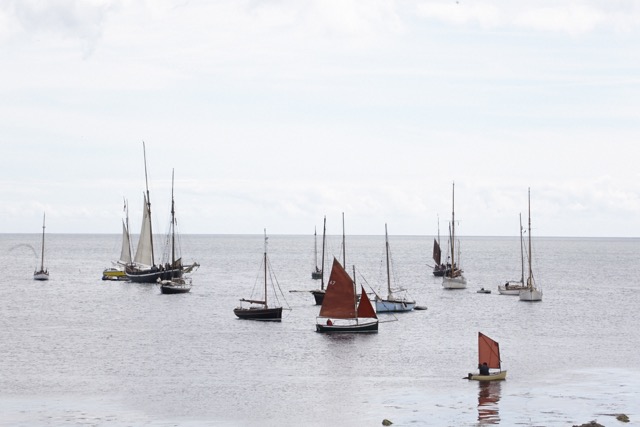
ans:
(144, 268)
(260, 309)
(42, 273)
(513, 287)
(392, 303)
(117, 272)
(340, 311)
(531, 292)
(453, 278)
(318, 294)
(316, 273)
(488, 358)
(179, 284)
(440, 268)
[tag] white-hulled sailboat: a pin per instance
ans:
(513, 287)
(392, 303)
(531, 292)
(42, 273)
(453, 278)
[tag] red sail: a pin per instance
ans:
(365, 309)
(339, 299)
(488, 351)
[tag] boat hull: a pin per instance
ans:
(114, 274)
(318, 295)
(41, 275)
(511, 288)
(389, 306)
(496, 376)
(175, 287)
(530, 294)
(459, 282)
(369, 327)
(316, 275)
(152, 275)
(257, 313)
(440, 270)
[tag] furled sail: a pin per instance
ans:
(144, 253)
(488, 351)
(339, 300)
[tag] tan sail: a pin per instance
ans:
(488, 351)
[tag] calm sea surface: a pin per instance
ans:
(79, 351)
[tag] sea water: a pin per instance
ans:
(79, 351)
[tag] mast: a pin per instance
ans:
(355, 294)
(315, 245)
(386, 239)
(173, 226)
(344, 255)
(265, 269)
(324, 232)
(453, 229)
(529, 280)
(521, 252)
(42, 251)
(146, 181)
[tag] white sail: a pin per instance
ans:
(125, 252)
(144, 253)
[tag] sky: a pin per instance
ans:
(276, 113)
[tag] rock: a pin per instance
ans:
(623, 418)
(386, 422)
(590, 424)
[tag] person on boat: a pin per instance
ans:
(484, 369)
(329, 322)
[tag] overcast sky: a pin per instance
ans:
(276, 113)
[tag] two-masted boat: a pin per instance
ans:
(531, 292)
(395, 301)
(341, 311)
(513, 287)
(453, 277)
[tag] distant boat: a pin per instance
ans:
(439, 269)
(316, 273)
(453, 278)
(117, 272)
(392, 303)
(318, 294)
(144, 268)
(260, 309)
(483, 291)
(513, 287)
(531, 292)
(42, 273)
(179, 284)
(489, 356)
(340, 311)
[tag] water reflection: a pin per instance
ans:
(488, 398)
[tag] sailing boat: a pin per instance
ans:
(178, 284)
(488, 358)
(42, 273)
(260, 309)
(340, 304)
(143, 269)
(117, 272)
(318, 294)
(453, 278)
(392, 303)
(317, 273)
(439, 269)
(531, 292)
(513, 287)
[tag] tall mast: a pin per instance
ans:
(42, 252)
(265, 269)
(126, 221)
(386, 239)
(173, 226)
(453, 228)
(324, 232)
(146, 181)
(529, 280)
(521, 252)
(344, 250)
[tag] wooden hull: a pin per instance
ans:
(168, 287)
(390, 306)
(512, 288)
(41, 275)
(152, 275)
(318, 295)
(530, 294)
(370, 327)
(497, 376)
(257, 313)
(454, 282)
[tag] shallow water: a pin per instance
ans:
(80, 351)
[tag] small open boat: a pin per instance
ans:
(488, 358)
